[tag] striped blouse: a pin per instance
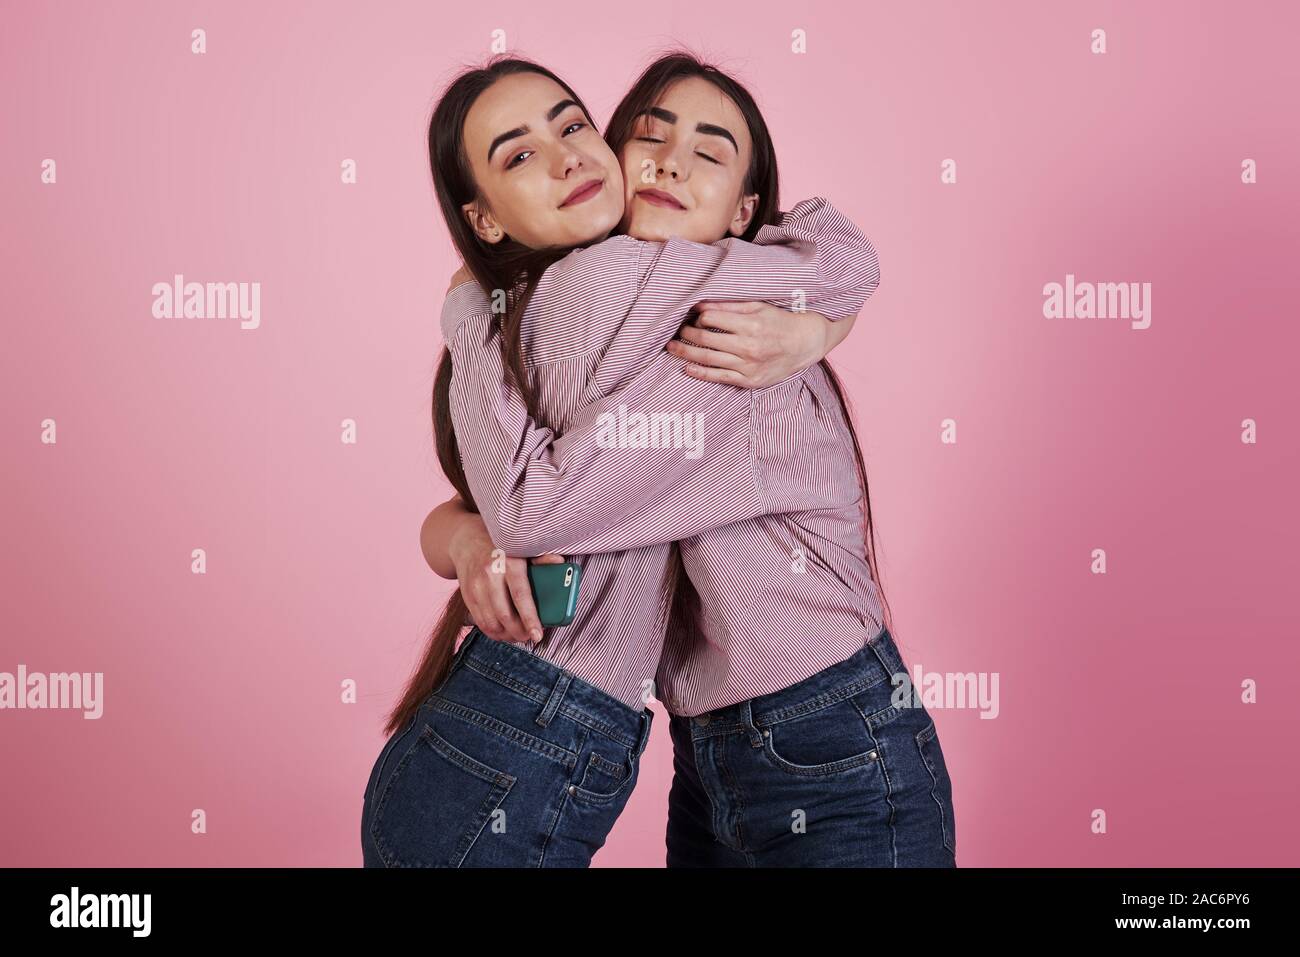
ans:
(759, 486)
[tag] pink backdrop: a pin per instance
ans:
(1119, 692)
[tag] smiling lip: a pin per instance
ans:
(583, 192)
(657, 197)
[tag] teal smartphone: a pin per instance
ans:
(555, 592)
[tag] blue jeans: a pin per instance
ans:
(829, 772)
(511, 762)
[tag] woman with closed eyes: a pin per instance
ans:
(779, 671)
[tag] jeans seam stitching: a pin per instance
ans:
(528, 691)
(494, 725)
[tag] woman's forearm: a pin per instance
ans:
(436, 534)
(597, 488)
(837, 332)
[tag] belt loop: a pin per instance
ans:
(747, 723)
(647, 716)
(458, 658)
(553, 702)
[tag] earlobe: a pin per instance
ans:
(484, 226)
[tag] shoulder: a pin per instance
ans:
(599, 269)
(803, 215)
(601, 255)
(581, 300)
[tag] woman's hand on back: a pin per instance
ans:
(494, 585)
(754, 344)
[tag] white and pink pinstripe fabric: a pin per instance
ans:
(768, 516)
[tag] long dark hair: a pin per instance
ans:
(761, 178)
(508, 266)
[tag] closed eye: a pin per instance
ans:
(708, 157)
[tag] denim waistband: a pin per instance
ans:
(876, 662)
(556, 690)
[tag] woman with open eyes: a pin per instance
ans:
(771, 652)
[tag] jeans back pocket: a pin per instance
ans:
(435, 805)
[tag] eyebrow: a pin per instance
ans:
(518, 131)
(707, 128)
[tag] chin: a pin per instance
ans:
(648, 229)
(589, 228)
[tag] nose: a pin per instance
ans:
(566, 161)
(671, 165)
